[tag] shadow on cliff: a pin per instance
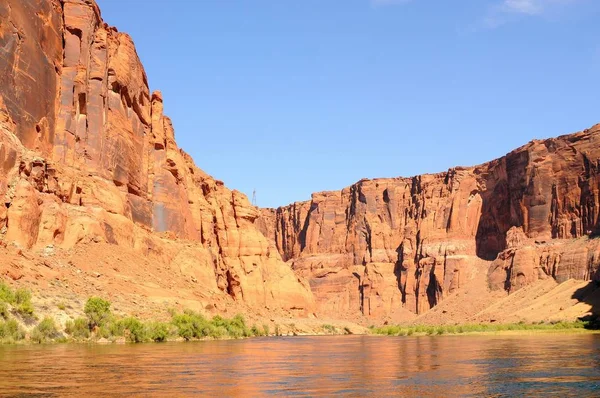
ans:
(590, 294)
(496, 219)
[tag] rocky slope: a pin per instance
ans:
(87, 155)
(384, 246)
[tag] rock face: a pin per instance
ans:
(86, 154)
(386, 244)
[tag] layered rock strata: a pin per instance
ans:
(86, 153)
(385, 244)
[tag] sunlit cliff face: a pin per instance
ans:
(410, 242)
(87, 154)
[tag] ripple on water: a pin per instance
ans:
(553, 365)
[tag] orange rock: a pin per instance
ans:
(86, 155)
(434, 231)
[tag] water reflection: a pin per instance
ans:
(563, 365)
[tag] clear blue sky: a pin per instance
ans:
(297, 96)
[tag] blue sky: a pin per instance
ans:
(291, 97)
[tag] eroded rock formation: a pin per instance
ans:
(384, 244)
(86, 154)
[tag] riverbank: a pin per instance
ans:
(21, 323)
(485, 328)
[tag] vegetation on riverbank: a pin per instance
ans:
(100, 324)
(20, 323)
(422, 330)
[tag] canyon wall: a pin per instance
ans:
(382, 245)
(86, 154)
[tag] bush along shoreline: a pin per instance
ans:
(425, 330)
(100, 325)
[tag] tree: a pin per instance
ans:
(98, 311)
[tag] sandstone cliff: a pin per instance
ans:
(89, 163)
(87, 155)
(386, 244)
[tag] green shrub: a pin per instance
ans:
(329, 328)
(207, 330)
(158, 331)
(192, 325)
(218, 320)
(237, 327)
(238, 321)
(4, 313)
(266, 331)
(104, 331)
(6, 293)
(22, 296)
(219, 332)
(255, 331)
(44, 331)
(134, 330)
(98, 311)
(19, 299)
(25, 309)
(115, 328)
(11, 331)
(78, 328)
(184, 325)
(473, 328)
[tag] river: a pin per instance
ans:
(533, 365)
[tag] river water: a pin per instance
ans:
(441, 366)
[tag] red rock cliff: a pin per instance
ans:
(86, 153)
(385, 244)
